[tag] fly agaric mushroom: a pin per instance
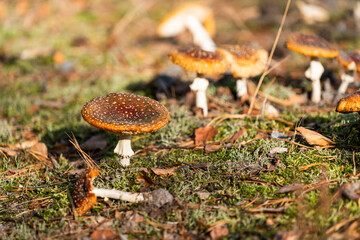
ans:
(190, 16)
(349, 104)
(84, 198)
(85, 194)
(351, 61)
(202, 62)
(313, 46)
(244, 62)
(125, 115)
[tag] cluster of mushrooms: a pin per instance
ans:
(126, 114)
(244, 62)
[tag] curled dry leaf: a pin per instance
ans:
(219, 231)
(9, 151)
(160, 171)
(290, 188)
(213, 147)
(314, 138)
(104, 234)
(236, 136)
(26, 144)
(93, 143)
(350, 190)
(144, 178)
(39, 150)
(204, 134)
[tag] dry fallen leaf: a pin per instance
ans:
(212, 147)
(204, 134)
(104, 234)
(26, 144)
(39, 150)
(237, 135)
(219, 231)
(314, 138)
(93, 143)
(290, 188)
(60, 148)
(144, 178)
(9, 151)
(160, 171)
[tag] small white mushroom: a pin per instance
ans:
(313, 46)
(201, 62)
(314, 73)
(199, 86)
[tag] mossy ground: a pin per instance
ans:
(105, 53)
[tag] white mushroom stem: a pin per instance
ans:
(241, 87)
(199, 86)
(314, 73)
(123, 148)
(200, 35)
(346, 78)
(120, 195)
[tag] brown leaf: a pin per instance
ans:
(237, 135)
(104, 234)
(28, 135)
(212, 147)
(290, 188)
(26, 144)
(59, 148)
(144, 178)
(39, 149)
(204, 134)
(314, 138)
(10, 152)
(160, 171)
(261, 135)
(219, 231)
(93, 143)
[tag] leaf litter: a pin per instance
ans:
(213, 195)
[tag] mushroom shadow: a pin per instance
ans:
(167, 84)
(58, 141)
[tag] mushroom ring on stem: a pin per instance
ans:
(314, 47)
(125, 114)
(202, 62)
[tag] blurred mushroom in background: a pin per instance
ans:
(197, 18)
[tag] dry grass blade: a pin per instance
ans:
(303, 168)
(270, 57)
(221, 118)
(88, 160)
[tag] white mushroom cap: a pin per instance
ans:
(175, 22)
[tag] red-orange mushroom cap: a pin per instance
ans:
(244, 61)
(83, 197)
(346, 58)
(349, 104)
(310, 45)
(125, 113)
(199, 61)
